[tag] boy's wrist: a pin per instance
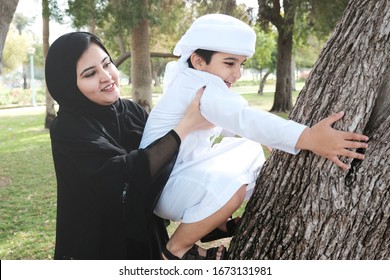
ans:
(303, 142)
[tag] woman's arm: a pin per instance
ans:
(164, 150)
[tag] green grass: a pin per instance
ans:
(27, 188)
(28, 184)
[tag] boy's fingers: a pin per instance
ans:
(355, 136)
(334, 118)
(339, 163)
(352, 154)
(355, 145)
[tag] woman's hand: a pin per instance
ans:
(193, 119)
(330, 143)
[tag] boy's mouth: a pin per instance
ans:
(229, 85)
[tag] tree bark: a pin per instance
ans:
(304, 207)
(141, 75)
(7, 10)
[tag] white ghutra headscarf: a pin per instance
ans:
(214, 32)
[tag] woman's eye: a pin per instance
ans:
(229, 63)
(90, 74)
(106, 64)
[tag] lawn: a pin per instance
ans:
(28, 184)
(27, 188)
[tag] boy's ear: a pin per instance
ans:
(197, 61)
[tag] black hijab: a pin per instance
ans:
(60, 69)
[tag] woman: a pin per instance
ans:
(107, 187)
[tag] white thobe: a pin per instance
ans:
(206, 175)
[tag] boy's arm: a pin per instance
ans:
(231, 112)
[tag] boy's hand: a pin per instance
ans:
(330, 143)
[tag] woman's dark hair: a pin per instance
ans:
(205, 54)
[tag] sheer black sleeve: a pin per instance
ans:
(162, 155)
(153, 166)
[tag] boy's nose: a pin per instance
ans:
(237, 73)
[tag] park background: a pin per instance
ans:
(27, 178)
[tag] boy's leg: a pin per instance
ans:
(188, 234)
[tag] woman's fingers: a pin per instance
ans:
(199, 94)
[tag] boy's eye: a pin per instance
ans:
(229, 63)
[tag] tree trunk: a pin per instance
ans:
(228, 7)
(141, 75)
(50, 110)
(262, 83)
(7, 10)
(304, 207)
(283, 98)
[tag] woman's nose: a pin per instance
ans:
(105, 76)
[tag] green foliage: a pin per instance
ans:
(227, 7)
(87, 12)
(21, 22)
(318, 16)
(306, 54)
(15, 50)
(265, 56)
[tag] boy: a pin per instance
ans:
(209, 182)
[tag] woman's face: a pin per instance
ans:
(97, 76)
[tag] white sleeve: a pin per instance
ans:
(230, 111)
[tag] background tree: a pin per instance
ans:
(89, 13)
(21, 23)
(304, 207)
(283, 17)
(14, 52)
(227, 7)
(264, 58)
(141, 71)
(50, 10)
(271, 12)
(7, 10)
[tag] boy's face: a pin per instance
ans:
(224, 65)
